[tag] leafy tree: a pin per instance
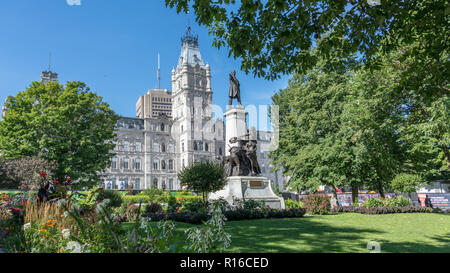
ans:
(204, 178)
(67, 124)
(351, 127)
(311, 147)
(406, 183)
(5, 181)
(274, 37)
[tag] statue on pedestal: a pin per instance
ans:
(235, 89)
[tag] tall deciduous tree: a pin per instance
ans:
(67, 124)
(204, 178)
(311, 146)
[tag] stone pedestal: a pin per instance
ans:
(249, 188)
(236, 126)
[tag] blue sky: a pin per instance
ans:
(112, 46)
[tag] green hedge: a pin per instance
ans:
(134, 199)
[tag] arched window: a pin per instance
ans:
(220, 151)
(163, 148)
(155, 182)
(155, 164)
(206, 147)
(162, 127)
(163, 164)
(126, 162)
(170, 164)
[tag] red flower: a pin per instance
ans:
(68, 180)
(43, 174)
(56, 182)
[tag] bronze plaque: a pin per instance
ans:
(256, 184)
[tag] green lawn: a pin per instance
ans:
(347, 232)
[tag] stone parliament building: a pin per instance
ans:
(172, 129)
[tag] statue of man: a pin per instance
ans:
(235, 89)
(251, 149)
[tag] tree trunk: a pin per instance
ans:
(354, 193)
(380, 189)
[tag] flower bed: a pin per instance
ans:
(231, 215)
(383, 210)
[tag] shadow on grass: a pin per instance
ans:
(312, 235)
(442, 245)
(296, 235)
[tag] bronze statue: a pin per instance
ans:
(242, 160)
(235, 89)
(251, 148)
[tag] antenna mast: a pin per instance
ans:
(159, 73)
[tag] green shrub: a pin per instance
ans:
(194, 205)
(384, 210)
(135, 199)
(251, 205)
(153, 208)
(114, 197)
(231, 215)
(373, 203)
(172, 201)
(222, 203)
(291, 204)
(406, 183)
(317, 204)
(157, 195)
(398, 201)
